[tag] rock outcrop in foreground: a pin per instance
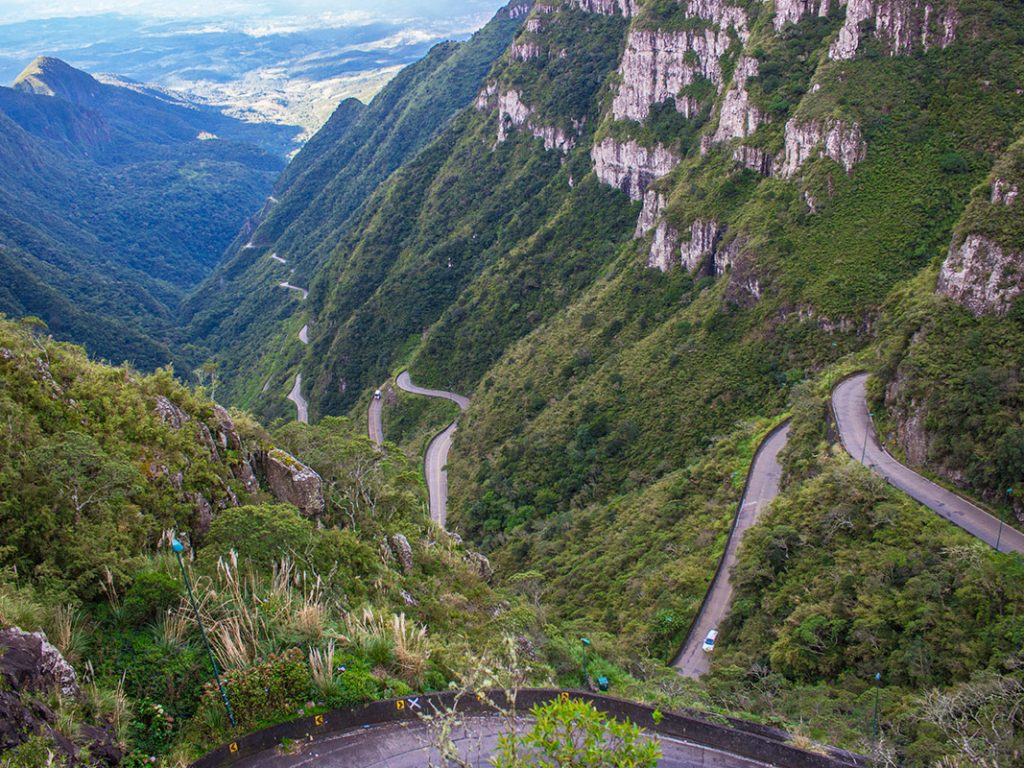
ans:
(32, 673)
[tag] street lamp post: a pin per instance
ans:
(178, 547)
(586, 651)
(878, 679)
(864, 450)
(1009, 501)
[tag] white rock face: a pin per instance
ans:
(1004, 192)
(739, 118)
(534, 25)
(755, 159)
(518, 11)
(630, 166)
(901, 25)
(657, 64)
(982, 275)
(485, 100)
(836, 139)
(700, 250)
(664, 248)
(654, 206)
(607, 7)
(514, 114)
(526, 51)
(787, 11)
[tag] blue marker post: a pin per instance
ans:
(178, 548)
(878, 680)
(586, 650)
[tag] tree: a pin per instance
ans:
(572, 732)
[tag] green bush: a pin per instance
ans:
(260, 534)
(149, 596)
(264, 693)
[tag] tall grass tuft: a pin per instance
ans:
(321, 666)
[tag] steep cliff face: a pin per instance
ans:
(657, 65)
(984, 270)
(982, 275)
(630, 166)
(901, 26)
(792, 11)
(607, 7)
(738, 118)
(838, 140)
(514, 114)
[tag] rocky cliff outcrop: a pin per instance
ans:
(755, 159)
(902, 26)
(668, 248)
(630, 166)
(982, 275)
(837, 139)
(738, 118)
(791, 11)
(514, 114)
(293, 482)
(32, 672)
(658, 64)
(607, 7)
(526, 50)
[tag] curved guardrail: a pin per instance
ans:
(736, 737)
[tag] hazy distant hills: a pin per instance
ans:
(115, 201)
(283, 70)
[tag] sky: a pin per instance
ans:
(25, 10)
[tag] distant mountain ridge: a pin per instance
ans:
(114, 202)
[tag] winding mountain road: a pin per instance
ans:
(761, 488)
(406, 745)
(304, 334)
(300, 402)
(849, 402)
(375, 422)
(290, 287)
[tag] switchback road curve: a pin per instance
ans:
(436, 457)
(761, 488)
(849, 403)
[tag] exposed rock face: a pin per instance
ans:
(170, 414)
(30, 671)
(607, 7)
(839, 140)
(630, 166)
(982, 275)
(700, 250)
(1004, 192)
(517, 10)
(755, 159)
(403, 551)
(482, 564)
(486, 99)
(513, 113)
(657, 64)
(534, 25)
(901, 25)
(30, 662)
(787, 11)
(664, 247)
(654, 206)
(292, 481)
(526, 51)
(738, 117)
(227, 436)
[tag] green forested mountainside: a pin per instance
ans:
(317, 196)
(98, 464)
(115, 202)
(632, 250)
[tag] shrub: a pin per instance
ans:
(264, 693)
(149, 596)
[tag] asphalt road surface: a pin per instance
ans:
(278, 259)
(304, 334)
(300, 402)
(858, 435)
(290, 287)
(762, 488)
(437, 452)
(374, 422)
(405, 745)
